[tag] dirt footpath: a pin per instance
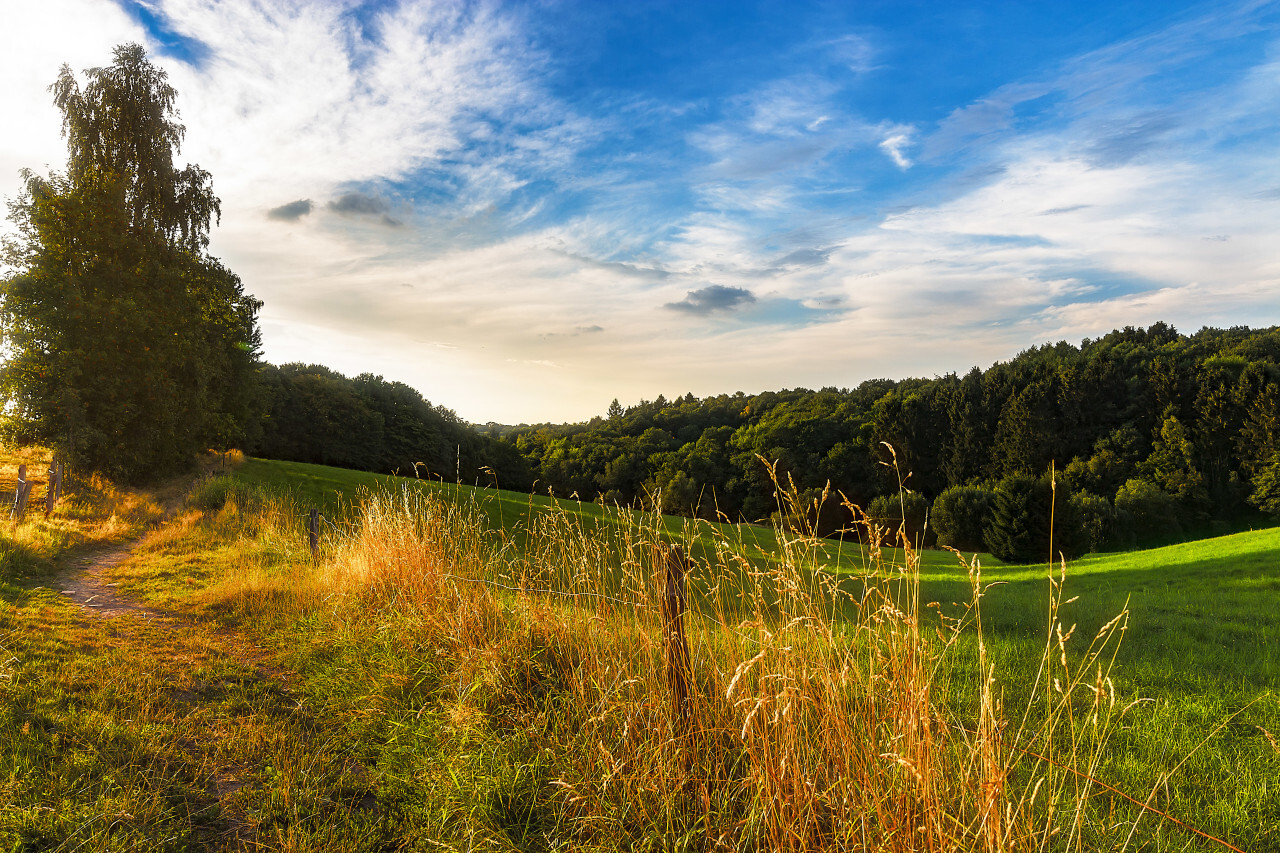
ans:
(84, 582)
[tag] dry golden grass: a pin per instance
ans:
(91, 511)
(819, 718)
(506, 688)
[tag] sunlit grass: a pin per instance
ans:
(597, 644)
(469, 673)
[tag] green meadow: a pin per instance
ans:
(377, 700)
(1199, 655)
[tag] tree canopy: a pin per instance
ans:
(129, 347)
(314, 414)
(1153, 435)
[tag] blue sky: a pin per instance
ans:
(528, 209)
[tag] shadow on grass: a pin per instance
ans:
(20, 563)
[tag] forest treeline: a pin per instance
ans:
(311, 413)
(1153, 436)
(1140, 437)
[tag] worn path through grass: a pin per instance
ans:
(130, 727)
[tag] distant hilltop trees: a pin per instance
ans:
(1153, 435)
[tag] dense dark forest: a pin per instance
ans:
(1154, 436)
(314, 414)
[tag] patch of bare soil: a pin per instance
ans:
(83, 581)
(84, 577)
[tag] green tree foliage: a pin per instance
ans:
(1018, 530)
(905, 514)
(130, 348)
(690, 478)
(1259, 438)
(1266, 489)
(1218, 418)
(1115, 459)
(960, 515)
(970, 427)
(912, 419)
(314, 414)
(1171, 466)
(1147, 512)
(680, 495)
(1099, 412)
(1097, 522)
(1024, 437)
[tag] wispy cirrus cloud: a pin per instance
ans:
(317, 97)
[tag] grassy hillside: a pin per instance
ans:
(337, 492)
(1201, 647)
(404, 693)
(1183, 599)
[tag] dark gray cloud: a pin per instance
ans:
(715, 297)
(360, 204)
(291, 212)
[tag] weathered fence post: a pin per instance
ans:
(53, 487)
(20, 495)
(675, 602)
(313, 533)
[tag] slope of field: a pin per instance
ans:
(384, 697)
(1201, 649)
(1210, 602)
(337, 491)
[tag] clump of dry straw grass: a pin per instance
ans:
(821, 716)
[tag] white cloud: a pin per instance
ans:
(29, 62)
(294, 98)
(853, 51)
(893, 146)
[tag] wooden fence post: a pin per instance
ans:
(20, 495)
(53, 487)
(675, 602)
(313, 534)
